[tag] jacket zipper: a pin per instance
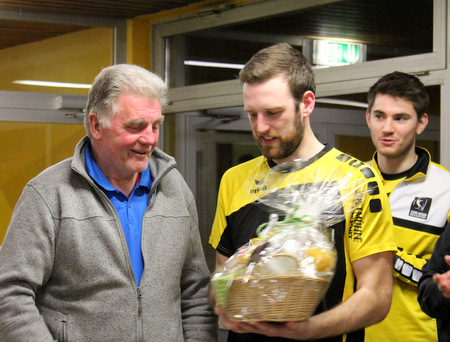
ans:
(62, 336)
(140, 332)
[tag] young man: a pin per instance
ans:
(278, 89)
(104, 246)
(419, 194)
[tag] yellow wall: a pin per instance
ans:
(138, 43)
(75, 57)
(27, 149)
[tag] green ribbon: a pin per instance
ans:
(298, 221)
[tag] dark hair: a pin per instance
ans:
(402, 85)
(280, 59)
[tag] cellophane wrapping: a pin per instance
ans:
(284, 272)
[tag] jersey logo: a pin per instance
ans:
(259, 182)
(420, 207)
(260, 186)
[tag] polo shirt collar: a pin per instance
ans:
(98, 176)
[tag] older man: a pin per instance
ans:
(104, 246)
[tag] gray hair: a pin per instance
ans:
(115, 80)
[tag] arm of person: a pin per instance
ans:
(220, 259)
(434, 293)
(368, 305)
(26, 261)
(199, 321)
(434, 286)
(443, 280)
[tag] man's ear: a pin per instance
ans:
(422, 124)
(368, 117)
(309, 102)
(94, 126)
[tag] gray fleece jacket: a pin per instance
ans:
(65, 271)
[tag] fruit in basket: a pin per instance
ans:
(324, 259)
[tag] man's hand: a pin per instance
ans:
(443, 280)
(238, 327)
(284, 329)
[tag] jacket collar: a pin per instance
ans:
(160, 162)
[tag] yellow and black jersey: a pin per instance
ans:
(366, 231)
(420, 205)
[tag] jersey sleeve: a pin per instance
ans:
(371, 229)
(220, 221)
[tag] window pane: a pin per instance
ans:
(387, 29)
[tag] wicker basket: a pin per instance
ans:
(278, 298)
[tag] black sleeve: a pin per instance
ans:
(430, 298)
(241, 227)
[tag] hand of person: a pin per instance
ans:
(226, 323)
(443, 280)
(294, 330)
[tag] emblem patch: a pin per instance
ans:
(420, 207)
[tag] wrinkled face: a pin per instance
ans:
(277, 126)
(124, 149)
(393, 125)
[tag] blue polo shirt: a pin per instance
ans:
(130, 210)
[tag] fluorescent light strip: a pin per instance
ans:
(52, 84)
(214, 65)
(342, 102)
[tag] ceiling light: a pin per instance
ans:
(53, 84)
(342, 102)
(214, 65)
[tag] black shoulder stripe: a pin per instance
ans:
(418, 226)
(373, 188)
(367, 172)
(375, 205)
(343, 157)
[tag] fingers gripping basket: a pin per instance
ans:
(277, 298)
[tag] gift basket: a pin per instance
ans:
(283, 273)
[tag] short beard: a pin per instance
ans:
(287, 145)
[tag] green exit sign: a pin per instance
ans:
(334, 53)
